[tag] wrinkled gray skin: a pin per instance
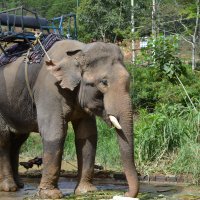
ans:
(82, 82)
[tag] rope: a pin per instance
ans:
(72, 164)
(37, 39)
(26, 75)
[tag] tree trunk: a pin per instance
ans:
(133, 31)
(193, 55)
(154, 16)
(103, 35)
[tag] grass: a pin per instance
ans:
(69, 146)
(107, 148)
(95, 195)
(188, 161)
(163, 137)
(32, 147)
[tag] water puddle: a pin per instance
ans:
(108, 188)
(165, 191)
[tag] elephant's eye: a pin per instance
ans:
(104, 82)
(103, 85)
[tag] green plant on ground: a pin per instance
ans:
(148, 88)
(188, 161)
(107, 147)
(32, 147)
(163, 132)
(69, 146)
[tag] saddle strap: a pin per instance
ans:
(26, 75)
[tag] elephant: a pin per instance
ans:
(80, 82)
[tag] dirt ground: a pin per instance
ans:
(108, 185)
(107, 188)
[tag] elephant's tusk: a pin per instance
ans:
(115, 122)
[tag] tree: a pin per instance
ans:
(190, 34)
(58, 8)
(142, 17)
(182, 17)
(154, 18)
(48, 9)
(102, 19)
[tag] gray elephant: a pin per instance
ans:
(82, 81)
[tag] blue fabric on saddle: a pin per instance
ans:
(36, 54)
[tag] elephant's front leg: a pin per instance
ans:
(53, 136)
(86, 142)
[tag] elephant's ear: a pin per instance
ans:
(67, 72)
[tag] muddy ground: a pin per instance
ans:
(108, 184)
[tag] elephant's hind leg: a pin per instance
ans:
(16, 142)
(86, 141)
(7, 182)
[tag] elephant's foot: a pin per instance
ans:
(19, 183)
(50, 193)
(8, 186)
(84, 187)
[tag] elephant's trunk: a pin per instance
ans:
(123, 112)
(125, 138)
(126, 149)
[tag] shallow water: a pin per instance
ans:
(148, 191)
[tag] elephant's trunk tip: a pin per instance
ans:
(115, 122)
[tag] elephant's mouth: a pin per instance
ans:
(112, 121)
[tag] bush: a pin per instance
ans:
(69, 146)
(188, 161)
(148, 88)
(33, 146)
(107, 147)
(164, 131)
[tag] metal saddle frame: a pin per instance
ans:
(18, 25)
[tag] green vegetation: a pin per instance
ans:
(95, 195)
(110, 19)
(169, 194)
(162, 138)
(33, 146)
(166, 101)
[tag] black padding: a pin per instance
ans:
(28, 22)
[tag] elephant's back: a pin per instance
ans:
(8, 75)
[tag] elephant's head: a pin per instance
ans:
(97, 69)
